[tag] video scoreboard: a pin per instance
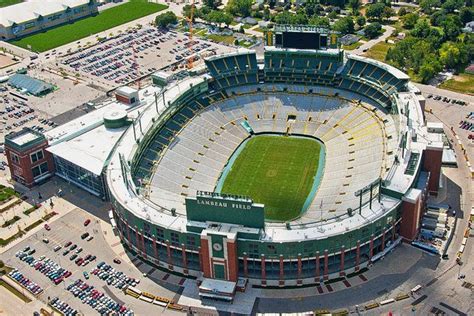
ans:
(301, 37)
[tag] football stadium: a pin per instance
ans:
(292, 167)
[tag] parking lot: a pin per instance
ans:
(77, 272)
(136, 53)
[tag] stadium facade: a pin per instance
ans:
(159, 160)
(380, 166)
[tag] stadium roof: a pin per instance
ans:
(32, 85)
(30, 10)
(394, 71)
(89, 150)
(237, 52)
(86, 142)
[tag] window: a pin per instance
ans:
(160, 234)
(174, 239)
(146, 229)
(191, 242)
(29, 25)
(36, 156)
(15, 158)
(40, 170)
(253, 248)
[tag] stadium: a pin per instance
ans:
(293, 167)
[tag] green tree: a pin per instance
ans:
(409, 20)
(187, 11)
(239, 7)
(312, 7)
(466, 14)
(354, 5)
(360, 20)
(319, 21)
(453, 55)
(430, 67)
(266, 14)
(283, 18)
(412, 53)
(437, 18)
(344, 25)
(219, 17)
(402, 11)
(387, 13)
(421, 28)
(451, 5)
(375, 11)
(332, 15)
(165, 19)
(213, 4)
(373, 30)
(299, 19)
(429, 5)
(452, 26)
(202, 12)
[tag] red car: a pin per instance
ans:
(46, 226)
(87, 222)
(69, 243)
(117, 261)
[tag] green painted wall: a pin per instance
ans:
(238, 212)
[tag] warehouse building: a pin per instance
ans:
(29, 85)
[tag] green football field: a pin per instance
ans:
(6, 3)
(105, 20)
(275, 171)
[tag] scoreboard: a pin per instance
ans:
(301, 37)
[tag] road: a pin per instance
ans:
(388, 31)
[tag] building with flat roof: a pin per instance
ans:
(81, 147)
(27, 84)
(35, 16)
(27, 158)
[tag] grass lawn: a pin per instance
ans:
(245, 44)
(6, 193)
(352, 46)
(103, 21)
(259, 29)
(378, 51)
(276, 171)
(229, 39)
(200, 32)
(463, 83)
(6, 3)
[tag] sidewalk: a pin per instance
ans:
(73, 199)
(20, 307)
(366, 46)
